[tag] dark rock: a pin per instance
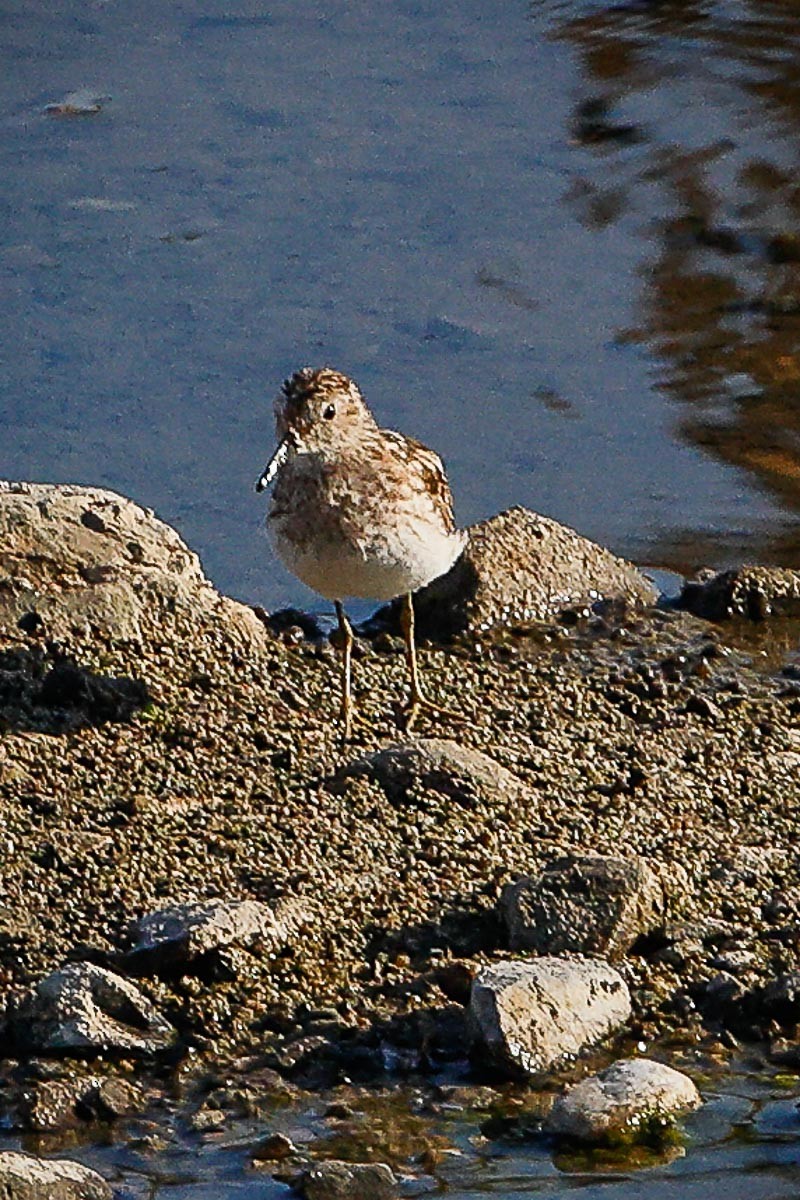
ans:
(622, 1101)
(753, 592)
(530, 1015)
(519, 566)
(336, 1180)
(26, 1177)
(44, 690)
(84, 1009)
(184, 935)
(591, 904)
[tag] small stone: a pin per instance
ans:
(274, 1148)
(530, 1015)
(336, 1180)
(463, 775)
(622, 1101)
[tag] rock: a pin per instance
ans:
(85, 1009)
(110, 1099)
(753, 592)
(463, 775)
(336, 1180)
(530, 1015)
(622, 1101)
(274, 1147)
(76, 557)
(191, 934)
(519, 566)
(26, 1177)
(590, 904)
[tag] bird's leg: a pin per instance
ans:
(346, 640)
(417, 700)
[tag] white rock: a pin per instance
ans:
(26, 1177)
(531, 1014)
(621, 1099)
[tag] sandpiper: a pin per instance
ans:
(357, 510)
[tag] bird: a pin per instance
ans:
(357, 511)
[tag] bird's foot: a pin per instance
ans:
(417, 703)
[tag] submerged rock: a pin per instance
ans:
(336, 1180)
(583, 903)
(85, 1009)
(437, 764)
(520, 566)
(26, 1177)
(752, 592)
(530, 1015)
(622, 1101)
(185, 935)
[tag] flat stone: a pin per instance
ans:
(622, 1101)
(26, 1177)
(520, 566)
(336, 1180)
(530, 1015)
(84, 1009)
(753, 592)
(590, 904)
(438, 764)
(183, 935)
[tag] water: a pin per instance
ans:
(744, 1144)
(413, 193)
(557, 242)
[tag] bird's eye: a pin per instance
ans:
(330, 412)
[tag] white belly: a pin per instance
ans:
(381, 570)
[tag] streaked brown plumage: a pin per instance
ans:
(356, 510)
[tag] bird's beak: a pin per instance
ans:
(274, 465)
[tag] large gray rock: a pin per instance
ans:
(531, 1014)
(590, 904)
(336, 1180)
(84, 1009)
(25, 1177)
(436, 764)
(189, 934)
(77, 558)
(753, 592)
(519, 566)
(622, 1101)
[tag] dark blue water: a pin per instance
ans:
(400, 190)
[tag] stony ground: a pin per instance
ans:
(650, 735)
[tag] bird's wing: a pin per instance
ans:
(425, 466)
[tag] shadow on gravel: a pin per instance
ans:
(46, 692)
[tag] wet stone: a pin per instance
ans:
(623, 1101)
(336, 1180)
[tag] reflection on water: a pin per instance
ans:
(695, 132)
